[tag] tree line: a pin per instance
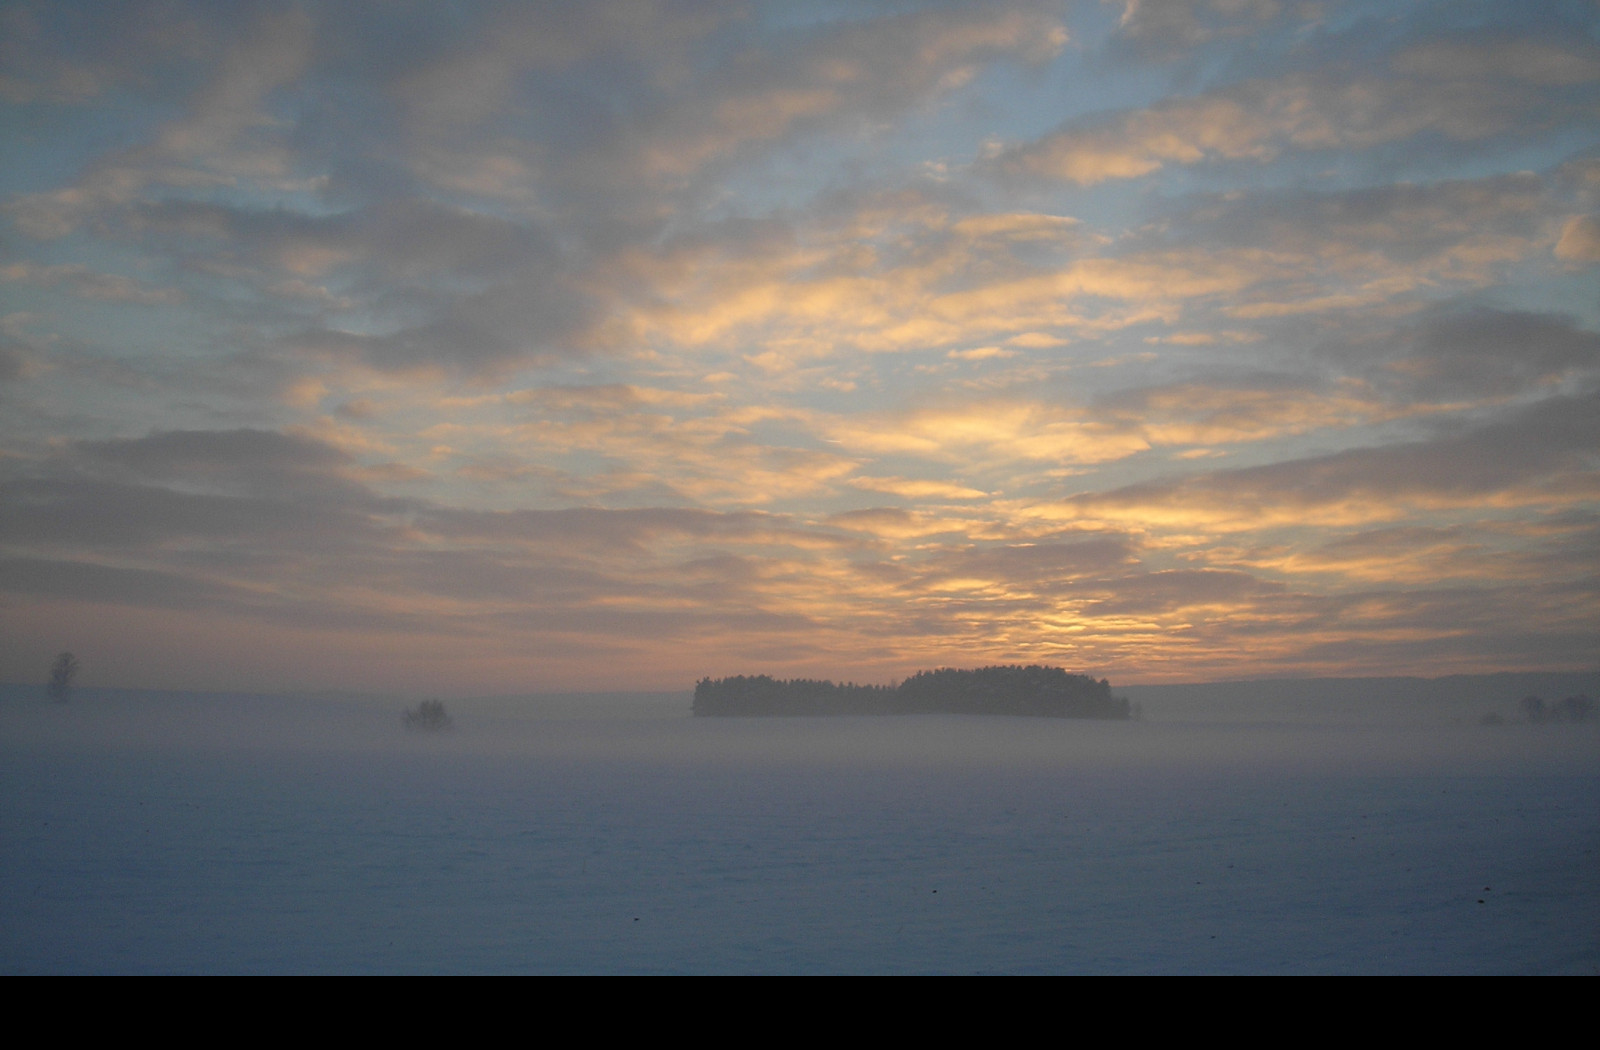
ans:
(1048, 692)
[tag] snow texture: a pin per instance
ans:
(185, 833)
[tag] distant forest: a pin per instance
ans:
(1047, 692)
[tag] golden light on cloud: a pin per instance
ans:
(613, 349)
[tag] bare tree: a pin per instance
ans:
(61, 674)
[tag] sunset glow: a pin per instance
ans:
(491, 348)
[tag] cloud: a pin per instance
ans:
(78, 580)
(600, 531)
(1162, 28)
(1482, 553)
(237, 462)
(413, 243)
(897, 275)
(1033, 566)
(238, 500)
(917, 488)
(665, 445)
(270, 525)
(630, 106)
(916, 272)
(514, 336)
(225, 136)
(988, 433)
(64, 514)
(1580, 240)
(87, 284)
(1294, 253)
(481, 335)
(1177, 590)
(1257, 408)
(1462, 92)
(15, 362)
(1483, 352)
(1541, 455)
(898, 524)
(398, 285)
(1530, 61)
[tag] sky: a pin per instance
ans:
(487, 348)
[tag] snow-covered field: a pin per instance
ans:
(189, 833)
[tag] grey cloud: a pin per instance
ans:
(620, 143)
(242, 462)
(89, 284)
(222, 134)
(1483, 351)
(71, 53)
(87, 581)
(146, 589)
(559, 572)
(1551, 62)
(1398, 630)
(600, 119)
(1165, 29)
(1553, 438)
(1466, 624)
(461, 290)
(1396, 540)
(727, 620)
(13, 362)
(540, 312)
(454, 343)
(1464, 351)
(64, 512)
(1404, 222)
(413, 242)
(1260, 118)
(482, 577)
(618, 531)
(455, 74)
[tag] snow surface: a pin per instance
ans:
(179, 833)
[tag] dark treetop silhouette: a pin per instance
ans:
(61, 674)
(1034, 690)
(428, 715)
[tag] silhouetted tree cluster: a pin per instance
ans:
(1571, 709)
(1048, 692)
(1033, 690)
(765, 695)
(59, 688)
(428, 716)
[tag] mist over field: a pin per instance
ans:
(617, 834)
(363, 361)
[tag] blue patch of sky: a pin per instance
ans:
(1542, 285)
(47, 145)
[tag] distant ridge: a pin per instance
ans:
(1038, 691)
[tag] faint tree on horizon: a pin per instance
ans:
(61, 674)
(428, 715)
